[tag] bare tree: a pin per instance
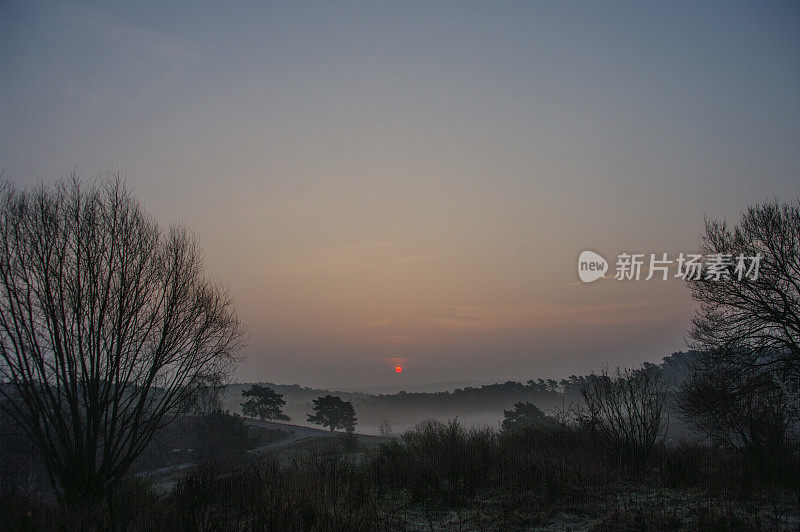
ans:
(627, 409)
(743, 411)
(385, 429)
(743, 391)
(108, 327)
(751, 323)
(207, 397)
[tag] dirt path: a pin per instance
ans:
(295, 433)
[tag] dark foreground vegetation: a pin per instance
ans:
(443, 475)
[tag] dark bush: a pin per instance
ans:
(440, 462)
(551, 461)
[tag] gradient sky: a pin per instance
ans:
(413, 182)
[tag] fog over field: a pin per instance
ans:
(474, 405)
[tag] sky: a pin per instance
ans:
(412, 182)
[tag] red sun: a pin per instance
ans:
(398, 369)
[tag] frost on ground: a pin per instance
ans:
(632, 509)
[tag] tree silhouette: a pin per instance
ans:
(525, 415)
(627, 410)
(263, 403)
(333, 413)
(745, 383)
(751, 323)
(745, 411)
(108, 327)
